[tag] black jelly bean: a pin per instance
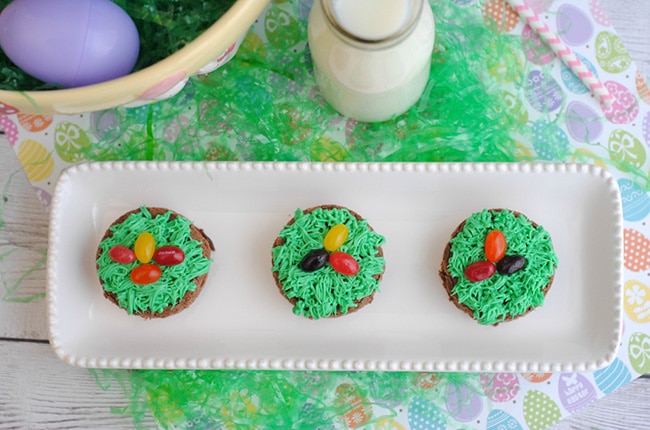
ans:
(510, 264)
(314, 260)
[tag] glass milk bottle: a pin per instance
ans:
(371, 57)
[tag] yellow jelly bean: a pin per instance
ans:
(335, 237)
(145, 246)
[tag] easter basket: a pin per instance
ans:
(212, 48)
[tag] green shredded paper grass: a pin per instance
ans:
(234, 399)
(264, 105)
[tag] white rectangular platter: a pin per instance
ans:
(241, 321)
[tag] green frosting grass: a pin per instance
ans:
(502, 296)
(175, 281)
(324, 292)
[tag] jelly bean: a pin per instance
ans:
(335, 237)
(479, 271)
(145, 274)
(314, 260)
(121, 254)
(511, 264)
(168, 255)
(495, 246)
(344, 263)
(144, 247)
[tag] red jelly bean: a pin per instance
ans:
(169, 255)
(480, 271)
(121, 254)
(146, 274)
(344, 263)
(495, 246)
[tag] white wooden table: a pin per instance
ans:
(39, 391)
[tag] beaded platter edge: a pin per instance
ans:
(58, 344)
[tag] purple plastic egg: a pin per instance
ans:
(71, 43)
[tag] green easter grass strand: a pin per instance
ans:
(233, 399)
(264, 105)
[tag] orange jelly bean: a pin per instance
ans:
(495, 246)
(146, 274)
(335, 237)
(145, 246)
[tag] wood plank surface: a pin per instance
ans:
(39, 391)
(23, 245)
(631, 20)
